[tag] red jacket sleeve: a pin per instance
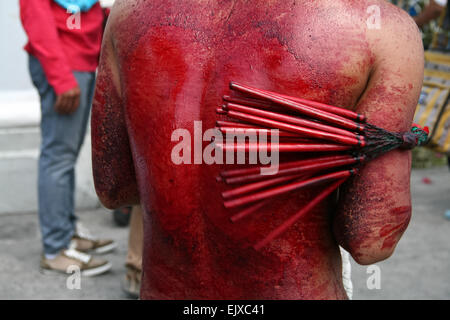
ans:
(39, 24)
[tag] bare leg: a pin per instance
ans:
(134, 257)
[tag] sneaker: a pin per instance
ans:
(68, 258)
(131, 284)
(83, 241)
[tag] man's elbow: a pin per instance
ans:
(114, 200)
(115, 192)
(108, 202)
(368, 242)
(370, 256)
(365, 249)
(375, 247)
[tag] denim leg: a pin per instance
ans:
(86, 82)
(62, 137)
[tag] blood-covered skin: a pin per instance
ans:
(166, 64)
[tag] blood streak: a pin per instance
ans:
(402, 215)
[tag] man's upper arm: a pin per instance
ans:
(112, 161)
(375, 206)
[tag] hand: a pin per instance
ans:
(68, 101)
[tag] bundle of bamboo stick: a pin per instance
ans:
(340, 140)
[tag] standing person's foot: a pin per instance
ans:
(68, 258)
(83, 241)
(131, 284)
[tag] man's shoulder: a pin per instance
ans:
(396, 19)
(122, 9)
(391, 29)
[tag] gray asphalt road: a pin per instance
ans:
(20, 253)
(419, 269)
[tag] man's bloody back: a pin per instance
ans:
(166, 64)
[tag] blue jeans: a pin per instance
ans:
(61, 140)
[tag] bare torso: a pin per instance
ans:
(175, 60)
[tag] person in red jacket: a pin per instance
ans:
(63, 47)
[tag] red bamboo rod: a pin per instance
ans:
(232, 124)
(309, 111)
(220, 111)
(325, 107)
(247, 211)
(292, 220)
(268, 132)
(290, 119)
(283, 147)
(231, 135)
(258, 185)
(230, 138)
(296, 170)
(315, 104)
(286, 165)
(287, 188)
(296, 129)
(249, 102)
(264, 122)
(241, 138)
(294, 140)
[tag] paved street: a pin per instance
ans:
(419, 269)
(20, 253)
